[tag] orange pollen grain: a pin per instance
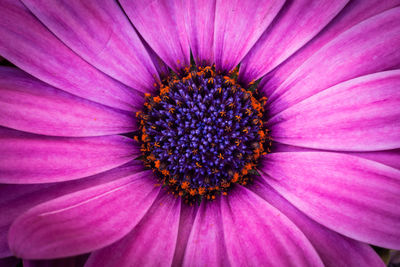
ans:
(157, 164)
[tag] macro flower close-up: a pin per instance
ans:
(199, 132)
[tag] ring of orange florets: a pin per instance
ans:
(182, 186)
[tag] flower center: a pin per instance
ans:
(202, 133)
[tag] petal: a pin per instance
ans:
(150, 243)
(333, 249)
(388, 157)
(59, 228)
(358, 115)
(353, 196)
(29, 158)
(257, 234)
(17, 199)
(78, 261)
(161, 23)
(188, 215)
(200, 28)
(26, 42)
(238, 25)
(369, 47)
(299, 22)
(353, 13)
(206, 245)
(99, 32)
(30, 105)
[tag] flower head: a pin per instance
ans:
(211, 132)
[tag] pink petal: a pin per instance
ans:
(333, 249)
(30, 105)
(186, 221)
(353, 196)
(238, 25)
(151, 242)
(60, 227)
(16, 199)
(27, 43)
(161, 23)
(358, 115)
(99, 32)
(388, 157)
(299, 23)
(257, 234)
(29, 158)
(368, 47)
(353, 13)
(200, 29)
(206, 245)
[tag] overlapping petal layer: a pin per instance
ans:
(100, 33)
(33, 48)
(333, 249)
(162, 24)
(206, 245)
(83, 221)
(16, 199)
(151, 241)
(298, 23)
(238, 25)
(30, 105)
(353, 196)
(258, 234)
(28, 158)
(368, 47)
(359, 115)
(200, 20)
(352, 14)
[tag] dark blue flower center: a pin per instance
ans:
(202, 133)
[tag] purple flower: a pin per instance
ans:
(114, 141)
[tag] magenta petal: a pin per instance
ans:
(27, 43)
(150, 243)
(29, 158)
(387, 157)
(186, 221)
(368, 47)
(16, 199)
(333, 248)
(200, 29)
(238, 25)
(257, 234)
(68, 225)
(206, 245)
(362, 114)
(353, 13)
(300, 22)
(99, 32)
(162, 24)
(353, 196)
(30, 105)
